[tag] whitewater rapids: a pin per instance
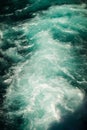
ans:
(44, 62)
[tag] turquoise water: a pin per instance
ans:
(43, 65)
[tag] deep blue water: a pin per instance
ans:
(43, 65)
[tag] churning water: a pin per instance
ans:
(43, 65)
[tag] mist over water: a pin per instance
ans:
(43, 65)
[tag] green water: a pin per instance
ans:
(43, 67)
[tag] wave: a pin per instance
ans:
(43, 68)
(16, 10)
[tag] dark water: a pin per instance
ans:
(43, 65)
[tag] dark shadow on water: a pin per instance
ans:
(75, 121)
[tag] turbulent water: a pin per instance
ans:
(43, 65)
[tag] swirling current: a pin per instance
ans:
(43, 65)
